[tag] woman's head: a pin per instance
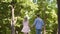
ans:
(25, 18)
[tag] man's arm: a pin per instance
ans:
(34, 23)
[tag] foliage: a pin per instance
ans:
(46, 8)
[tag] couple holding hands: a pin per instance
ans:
(38, 23)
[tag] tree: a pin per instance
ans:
(47, 10)
(18, 9)
(58, 1)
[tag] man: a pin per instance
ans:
(38, 23)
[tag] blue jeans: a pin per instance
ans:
(38, 31)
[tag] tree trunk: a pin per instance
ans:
(44, 25)
(12, 24)
(44, 29)
(58, 1)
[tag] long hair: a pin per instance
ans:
(25, 18)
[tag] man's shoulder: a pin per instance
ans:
(38, 19)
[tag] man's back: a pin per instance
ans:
(38, 23)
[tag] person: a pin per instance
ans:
(26, 28)
(38, 23)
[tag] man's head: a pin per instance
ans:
(38, 15)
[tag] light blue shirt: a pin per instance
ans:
(38, 23)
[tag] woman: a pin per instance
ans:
(26, 28)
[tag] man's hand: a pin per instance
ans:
(32, 26)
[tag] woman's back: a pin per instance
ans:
(25, 23)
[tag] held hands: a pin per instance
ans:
(31, 26)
